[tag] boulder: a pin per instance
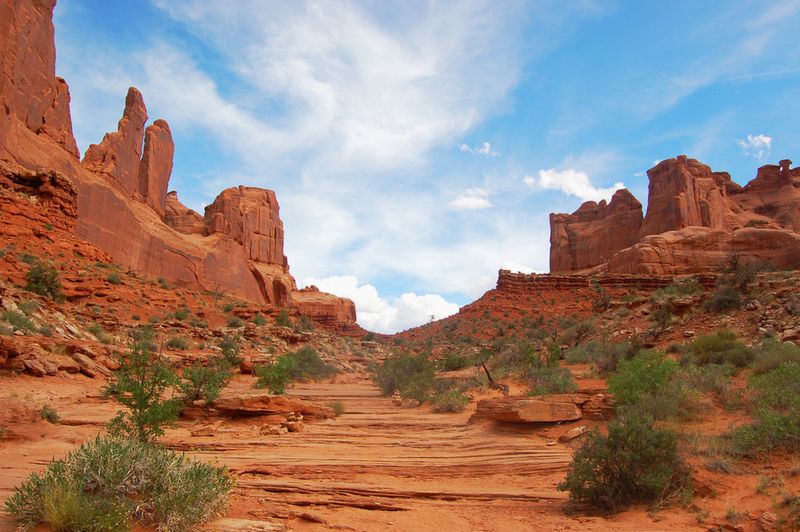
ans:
(266, 404)
(542, 409)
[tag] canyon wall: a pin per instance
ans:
(696, 219)
(123, 205)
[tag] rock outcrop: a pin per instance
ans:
(594, 232)
(122, 182)
(696, 219)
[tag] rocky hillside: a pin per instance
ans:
(122, 202)
(695, 219)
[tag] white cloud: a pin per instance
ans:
(483, 149)
(756, 145)
(572, 182)
(378, 314)
(471, 199)
(518, 267)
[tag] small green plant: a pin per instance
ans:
(49, 414)
(337, 406)
(18, 321)
(276, 376)
(182, 313)
(163, 283)
(113, 484)
(140, 385)
(635, 463)
(198, 323)
(235, 321)
(449, 401)
(227, 307)
(646, 372)
(282, 319)
(205, 382)
(546, 380)
(178, 343)
(412, 375)
(724, 298)
(230, 348)
(29, 306)
(304, 323)
(259, 319)
(27, 258)
(662, 317)
(114, 278)
(771, 353)
(720, 347)
(44, 280)
(100, 333)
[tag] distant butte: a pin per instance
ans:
(695, 220)
(122, 201)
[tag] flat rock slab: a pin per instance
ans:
(550, 409)
(266, 404)
(244, 525)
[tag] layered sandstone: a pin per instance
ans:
(122, 201)
(696, 219)
(594, 232)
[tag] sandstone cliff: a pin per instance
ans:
(696, 218)
(122, 182)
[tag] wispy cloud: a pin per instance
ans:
(483, 149)
(471, 199)
(572, 182)
(757, 146)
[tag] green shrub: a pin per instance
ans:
(44, 280)
(643, 374)
(229, 345)
(305, 324)
(18, 321)
(259, 320)
(337, 406)
(662, 316)
(46, 330)
(412, 375)
(276, 376)
(100, 333)
(235, 321)
(777, 389)
(449, 401)
(681, 288)
(182, 313)
(109, 483)
(724, 298)
(309, 365)
(163, 283)
(177, 342)
(635, 463)
(114, 278)
(546, 380)
(453, 362)
(720, 347)
(140, 385)
(283, 319)
(205, 382)
(29, 306)
(49, 414)
(714, 378)
(198, 323)
(770, 354)
(228, 307)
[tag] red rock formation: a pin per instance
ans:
(696, 219)
(30, 92)
(590, 235)
(182, 218)
(122, 183)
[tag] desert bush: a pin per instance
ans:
(204, 382)
(724, 298)
(6, 331)
(661, 316)
(309, 365)
(449, 401)
(412, 375)
(235, 321)
(114, 278)
(577, 333)
(109, 483)
(49, 414)
(337, 406)
(276, 376)
(230, 348)
(44, 280)
(611, 355)
(259, 319)
(635, 463)
(454, 361)
(777, 389)
(29, 306)
(545, 380)
(177, 342)
(304, 324)
(140, 384)
(643, 374)
(282, 319)
(713, 378)
(198, 323)
(182, 313)
(719, 347)
(98, 332)
(680, 288)
(771, 353)
(18, 321)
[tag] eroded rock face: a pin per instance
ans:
(122, 182)
(30, 92)
(590, 235)
(696, 219)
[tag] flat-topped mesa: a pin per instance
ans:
(30, 92)
(590, 235)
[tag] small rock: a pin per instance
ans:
(573, 433)
(689, 333)
(246, 366)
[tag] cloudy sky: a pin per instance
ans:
(417, 147)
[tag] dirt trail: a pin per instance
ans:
(376, 467)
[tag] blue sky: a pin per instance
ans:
(417, 147)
